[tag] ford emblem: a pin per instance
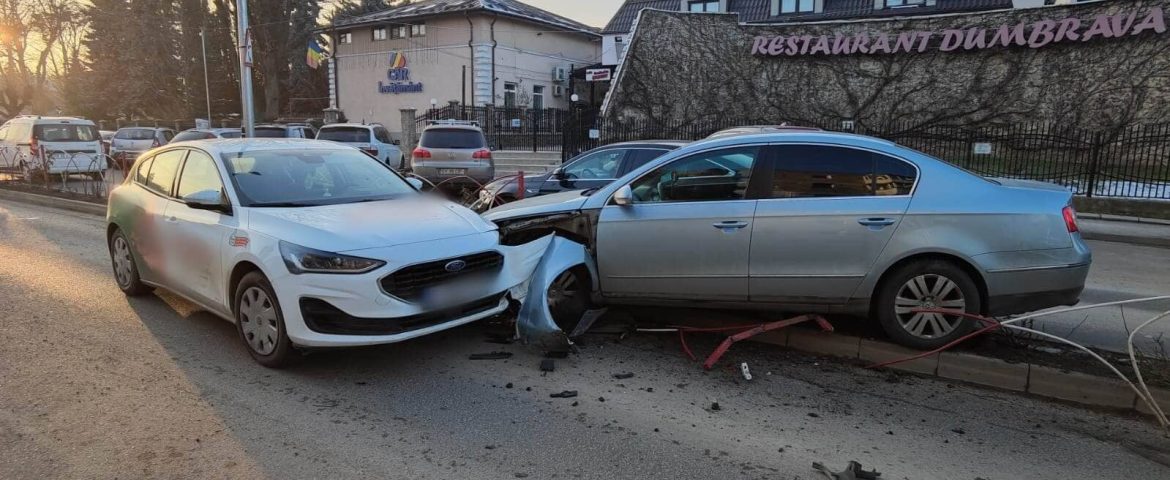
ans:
(455, 266)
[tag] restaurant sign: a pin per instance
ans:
(1033, 35)
(398, 77)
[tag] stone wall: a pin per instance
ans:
(1108, 73)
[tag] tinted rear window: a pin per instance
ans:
(66, 133)
(186, 136)
(345, 135)
(271, 133)
(231, 134)
(135, 134)
(451, 138)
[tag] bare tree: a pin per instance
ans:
(38, 39)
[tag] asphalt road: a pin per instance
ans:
(95, 385)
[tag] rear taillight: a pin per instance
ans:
(482, 155)
(373, 152)
(1070, 220)
(421, 153)
(34, 146)
(155, 144)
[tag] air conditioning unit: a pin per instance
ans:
(560, 74)
(558, 90)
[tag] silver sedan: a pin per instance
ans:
(815, 222)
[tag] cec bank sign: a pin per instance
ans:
(398, 77)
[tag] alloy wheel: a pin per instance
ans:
(258, 321)
(929, 291)
(123, 263)
(562, 291)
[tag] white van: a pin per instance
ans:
(55, 144)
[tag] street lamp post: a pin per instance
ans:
(206, 84)
(244, 37)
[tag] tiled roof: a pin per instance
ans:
(760, 11)
(428, 8)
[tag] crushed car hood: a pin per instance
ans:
(545, 204)
(359, 226)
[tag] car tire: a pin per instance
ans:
(125, 268)
(260, 322)
(402, 163)
(569, 298)
(927, 284)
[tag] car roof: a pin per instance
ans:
(42, 119)
(351, 125)
(649, 143)
(143, 128)
(754, 129)
(239, 145)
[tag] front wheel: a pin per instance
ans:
(569, 298)
(260, 322)
(930, 284)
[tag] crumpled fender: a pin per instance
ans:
(534, 323)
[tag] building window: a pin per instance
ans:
(619, 45)
(419, 30)
(703, 6)
(345, 38)
(801, 6)
(904, 3)
(509, 95)
(398, 32)
(538, 97)
(379, 33)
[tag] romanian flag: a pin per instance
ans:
(397, 60)
(315, 54)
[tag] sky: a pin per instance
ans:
(590, 12)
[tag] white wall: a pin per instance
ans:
(611, 49)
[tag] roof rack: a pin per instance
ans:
(451, 121)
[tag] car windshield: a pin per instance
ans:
(191, 135)
(451, 138)
(135, 134)
(271, 132)
(345, 135)
(307, 178)
(66, 133)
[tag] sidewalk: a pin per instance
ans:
(1152, 233)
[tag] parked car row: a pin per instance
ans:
(308, 244)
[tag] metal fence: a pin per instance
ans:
(522, 129)
(70, 174)
(1132, 162)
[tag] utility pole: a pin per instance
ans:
(245, 39)
(206, 84)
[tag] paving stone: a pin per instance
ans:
(1079, 387)
(824, 343)
(990, 372)
(875, 351)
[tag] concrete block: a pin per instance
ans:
(1161, 396)
(1080, 388)
(985, 371)
(875, 351)
(824, 343)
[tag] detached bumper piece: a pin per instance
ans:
(321, 317)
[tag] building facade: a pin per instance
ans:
(474, 52)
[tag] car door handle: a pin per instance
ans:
(730, 224)
(172, 220)
(877, 222)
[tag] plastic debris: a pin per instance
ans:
(747, 373)
(852, 472)
(490, 356)
(564, 394)
(623, 376)
(548, 365)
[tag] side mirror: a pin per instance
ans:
(624, 196)
(396, 142)
(559, 174)
(414, 182)
(212, 200)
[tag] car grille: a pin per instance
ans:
(409, 283)
(322, 317)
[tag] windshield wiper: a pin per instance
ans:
(285, 205)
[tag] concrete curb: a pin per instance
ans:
(1038, 380)
(1127, 239)
(53, 202)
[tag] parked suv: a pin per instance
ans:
(373, 139)
(454, 152)
(56, 145)
(290, 130)
(130, 142)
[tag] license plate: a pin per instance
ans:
(452, 171)
(450, 295)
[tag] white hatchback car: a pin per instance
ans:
(304, 243)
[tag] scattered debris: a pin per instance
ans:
(715, 407)
(500, 339)
(490, 356)
(509, 385)
(548, 365)
(575, 404)
(747, 373)
(601, 399)
(623, 376)
(851, 472)
(556, 354)
(814, 415)
(587, 320)
(490, 447)
(959, 431)
(564, 394)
